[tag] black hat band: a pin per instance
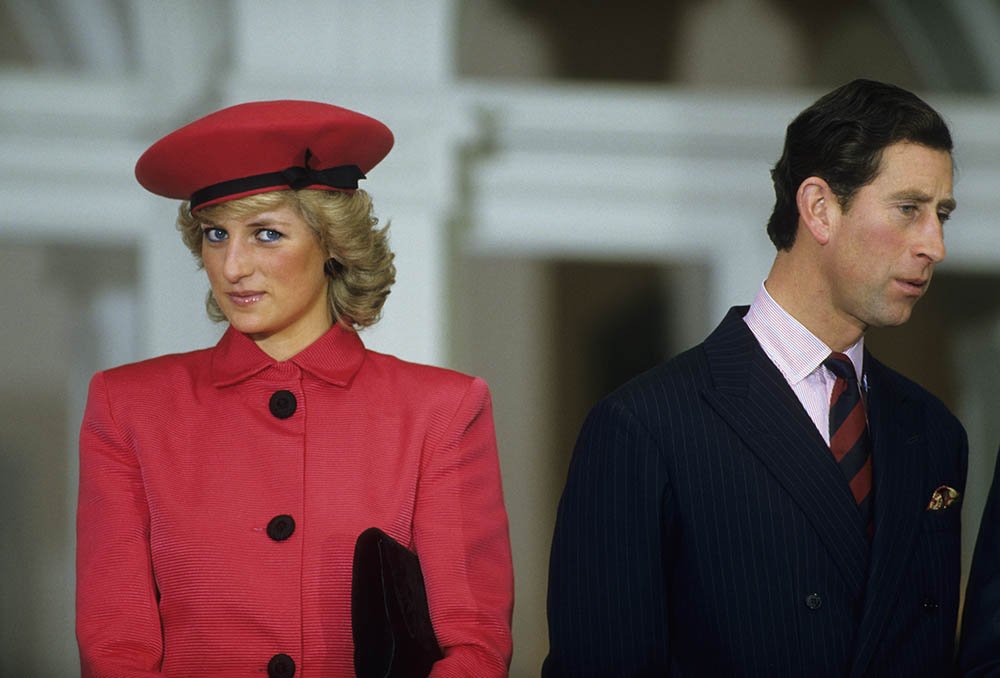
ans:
(344, 177)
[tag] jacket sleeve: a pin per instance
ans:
(461, 536)
(607, 600)
(979, 653)
(117, 617)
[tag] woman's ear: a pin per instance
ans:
(818, 208)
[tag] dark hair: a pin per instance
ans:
(840, 139)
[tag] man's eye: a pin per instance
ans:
(944, 216)
(908, 210)
(214, 234)
(268, 235)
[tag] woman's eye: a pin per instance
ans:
(214, 234)
(268, 235)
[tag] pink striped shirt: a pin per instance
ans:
(798, 354)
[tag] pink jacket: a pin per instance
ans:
(191, 466)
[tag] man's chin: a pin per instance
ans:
(892, 317)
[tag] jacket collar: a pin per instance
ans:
(334, 357)
(752, 396)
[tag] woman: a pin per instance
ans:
(222, 491)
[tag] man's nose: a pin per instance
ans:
(931, 244)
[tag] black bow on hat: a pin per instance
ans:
(342, 176)
(295, 177)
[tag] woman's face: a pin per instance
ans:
(267, 276)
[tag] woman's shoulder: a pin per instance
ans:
(152, 372)
(133, 391)
(419, 377)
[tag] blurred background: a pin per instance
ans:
(578, 191)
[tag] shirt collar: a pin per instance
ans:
(334, 357)
(794, 350)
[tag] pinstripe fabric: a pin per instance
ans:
(182, 466)
(706, 530)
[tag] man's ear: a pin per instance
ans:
(818, 207)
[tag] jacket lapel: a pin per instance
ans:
(752, 396)
(899, 466)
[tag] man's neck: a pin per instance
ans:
(798, 290)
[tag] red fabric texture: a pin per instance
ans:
(182, 466)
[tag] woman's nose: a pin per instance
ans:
(237, 263)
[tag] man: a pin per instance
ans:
(775, 501)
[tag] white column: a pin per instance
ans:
(172, 288)
(391, 59)
(503, 310)
(376, 43)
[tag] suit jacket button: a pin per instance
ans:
(282, 404)
(930, 605)
(280, 666)
(814, 601)
(281, 527)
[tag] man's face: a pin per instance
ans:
(883, 248)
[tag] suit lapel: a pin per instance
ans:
(899, 465)
(752, 396)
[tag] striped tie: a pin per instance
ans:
(849, 433)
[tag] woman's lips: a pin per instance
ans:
(245, 298)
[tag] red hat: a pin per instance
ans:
(264, 146)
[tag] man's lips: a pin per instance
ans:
(913, 286)
(245, 298)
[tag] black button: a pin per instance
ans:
(281, 666)
(281, 527)
(282, 404)
(814, 601)
(930, 605)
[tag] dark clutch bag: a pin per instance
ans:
(393, 635)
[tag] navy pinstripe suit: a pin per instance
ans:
(706, 530)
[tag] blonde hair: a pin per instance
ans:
(359, 269)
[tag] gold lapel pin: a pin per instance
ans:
(942, 498)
